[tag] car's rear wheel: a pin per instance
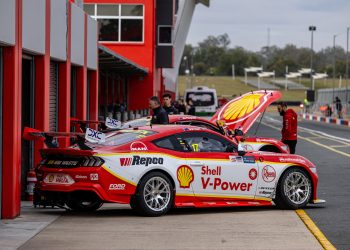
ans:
(155, 195)
(294, 189)
(85, 202)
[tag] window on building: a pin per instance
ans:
(165, 35)
(118, 22)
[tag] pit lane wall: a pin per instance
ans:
(41, 41)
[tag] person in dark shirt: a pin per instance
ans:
(191, 108)
(160, 116)
(338, 107)
(168, 106)
(182, 107)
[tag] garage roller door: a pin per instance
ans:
(53, 96)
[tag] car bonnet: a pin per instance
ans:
(243, 111)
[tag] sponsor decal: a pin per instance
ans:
(217, 183)
(265, 140)
(138, 146)
(211, 171)
(81, 177)
(248, 159)
(138, 160)
(58, 179)
(94, 177)
(247, 147)
(94, 136)
(264, 192)
(185, 176)
(62, 163)
(112, 123)
(253, 174)
(242, 107)
(286, 159)
(193, 129)
(236, 158)
(268, 173)
(117, 186)
(51, 178)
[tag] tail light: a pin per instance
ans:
(92, 161)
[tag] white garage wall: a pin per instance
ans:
(33, 21)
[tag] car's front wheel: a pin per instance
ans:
(294, 189)
(155, 195)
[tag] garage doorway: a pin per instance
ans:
(53, 96)
(27, 117)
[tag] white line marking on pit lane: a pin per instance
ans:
(317, 132)
(340, 146)
(314, 142)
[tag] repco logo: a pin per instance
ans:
(138, 160)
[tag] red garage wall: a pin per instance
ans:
(140, 88)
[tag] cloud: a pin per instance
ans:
(247, 22)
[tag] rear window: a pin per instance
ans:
(122, 137)
(137, 123)
(201, 98)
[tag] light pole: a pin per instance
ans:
(334, 36)
(312, 29)
(347, 63)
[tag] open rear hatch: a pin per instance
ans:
(243, 111)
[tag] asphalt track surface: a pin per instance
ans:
(328, 147)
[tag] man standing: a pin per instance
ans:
(160, 116)
(338, 107)
(168, 106)
(290, 126)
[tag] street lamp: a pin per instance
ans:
(312, 29)
(347, 63)
(334, 36)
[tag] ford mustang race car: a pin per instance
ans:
(154, 168)
(234, 120)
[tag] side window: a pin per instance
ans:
(205, 142)
(166, 143)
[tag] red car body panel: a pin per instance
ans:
(242, 111)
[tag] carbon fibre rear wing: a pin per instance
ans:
(49, 138)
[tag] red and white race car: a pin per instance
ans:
(234, 120)
(159, 167)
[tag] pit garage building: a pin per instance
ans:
(61, 59)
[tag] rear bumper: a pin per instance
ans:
(83, 182)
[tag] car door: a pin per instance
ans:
(219, 175)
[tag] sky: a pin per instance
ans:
(247, 22)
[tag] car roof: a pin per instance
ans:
(176, 118)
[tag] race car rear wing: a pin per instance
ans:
(49, 138)
(103, 126)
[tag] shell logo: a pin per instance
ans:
(185, 176)
(242, 107)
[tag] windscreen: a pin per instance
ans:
(122, 137)
(201, 98)
(137, 123)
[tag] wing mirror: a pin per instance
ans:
(241, 150)
(238, 132)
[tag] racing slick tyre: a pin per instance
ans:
(154, 195)
(294, 189)
(84, 202)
